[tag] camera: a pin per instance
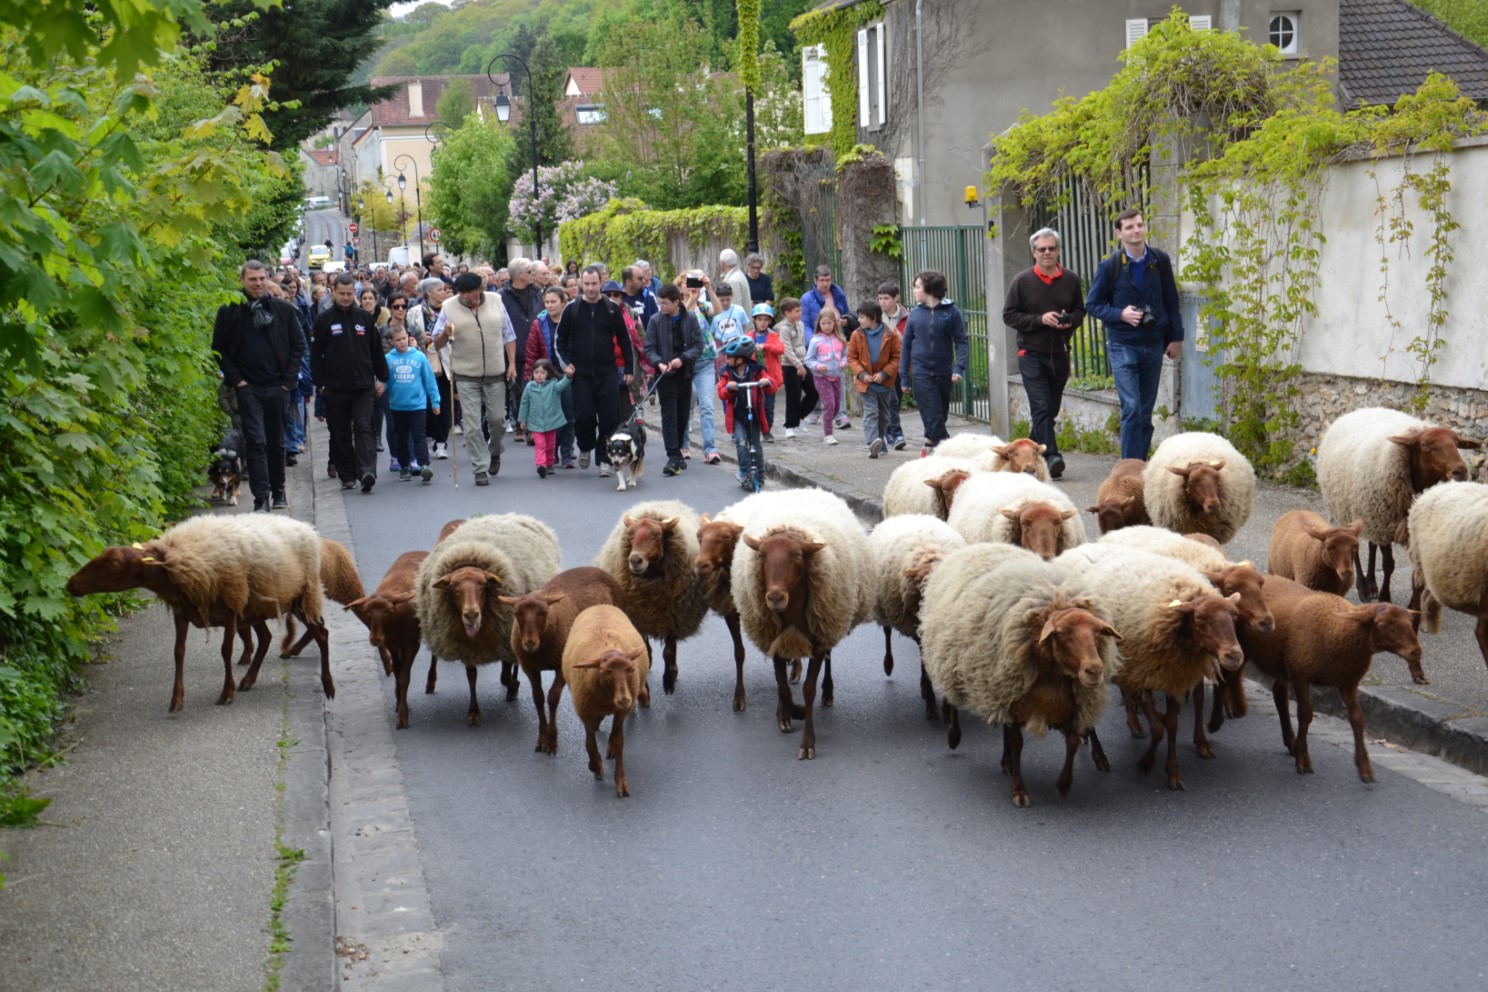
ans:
(694, 282)
(1148, 317)
(1063, 318)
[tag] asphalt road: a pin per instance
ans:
(889, 861)
(322, 226)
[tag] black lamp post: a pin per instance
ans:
(369, 221)
(418, 200)
(503, 114)
(402, 210)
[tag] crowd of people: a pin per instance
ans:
(397, 359)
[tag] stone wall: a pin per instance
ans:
(1094, 411)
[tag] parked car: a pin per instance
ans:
(398, 256)
(319, 255)
(318, 202)
(337, 265)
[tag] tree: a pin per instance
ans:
(470, 187)
(456, 102)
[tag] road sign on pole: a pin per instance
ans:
(356, 242)
(351, 228)
(434, 235)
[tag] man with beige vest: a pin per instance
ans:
(482, 360)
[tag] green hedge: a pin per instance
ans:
(627, 229)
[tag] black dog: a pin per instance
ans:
(226, 470)
(627, 451)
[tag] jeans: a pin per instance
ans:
(704, 391)
(1137, 369)
(263, 409)
(353, 445)
(876, 420)
(1044, 377)
(748, 452)
(474, 392)
(294, 423)
(895, 429)
(933, 397)
(674, 396)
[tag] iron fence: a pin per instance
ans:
(961, 253)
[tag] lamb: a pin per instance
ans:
(718, 537)
(1323, 639)
(905, 550)
(605, 668)
(1018, 645)
(1449, 553)
(650, 552)
(1119, 501)
(801, 583)
(221, 571)
(342, 584)
(1306, 549)
(455, 592)
(1021, 455)
(1371, 464)
(393, 624)
(1013, 508)
(1175, 630)
(925, 485)
(1199, 482)
(541, 623)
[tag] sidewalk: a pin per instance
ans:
(1448, 717)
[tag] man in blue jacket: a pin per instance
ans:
(1135, 294)
(825, 293)
(934, 351)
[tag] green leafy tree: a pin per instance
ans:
(456, 102)
(1468, 18)
(470, 187)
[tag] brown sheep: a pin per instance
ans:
(541, 622)
(393, 625)
(605, 668)
(1118, 501)
(342, 584)
(1306, 549)
(1021, 455)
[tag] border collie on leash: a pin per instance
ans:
(627, 451)
(226, 470)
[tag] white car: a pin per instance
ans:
(339, 265)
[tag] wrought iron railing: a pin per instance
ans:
(961, 253)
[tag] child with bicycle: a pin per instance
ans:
(744, 413)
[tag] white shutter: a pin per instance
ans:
(863, 114)
(816, 106)
(1200, 22)
(883, 103)
(1135, 29)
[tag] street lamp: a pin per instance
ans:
(503, 114)
(370, 221)
(429, 135)
(402, 209)
(418, 200)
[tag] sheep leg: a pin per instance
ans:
(229, 684)
(953, 725)
(617, 751)
(1067, 773)
(1236, 703)
(555, 694)
(323, 641)
(591, 725)
(669, 657)
(888, 650)
(827, 681)
(645, 694)
(1304, 720)
(246, 635)
(1217, 711)
(1175, 706)
(402, 675)
(807, 750)
(1387, 565)
(433, 675)
(1481, 630)
(927, 693)
(732, 619)
(510, 679)
(1201, 743)
(1012, 746)
(387, 659)
(1006, 762)
(250, 677)
(1129, 702)
(795, 671)
(1279, 693)
(472, 715)
(1356, 720)
(1149, 757)
(535, 678)
(785, 707)
(304, 642)
(178, 690)
(1364, 578)
(1098, 753)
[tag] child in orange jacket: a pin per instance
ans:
(873, 357)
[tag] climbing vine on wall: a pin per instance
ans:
(626, 229)
(749, 43)
(836, 29)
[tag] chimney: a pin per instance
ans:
(415, 99)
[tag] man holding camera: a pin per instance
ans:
(1135, 294)
(1043, 307)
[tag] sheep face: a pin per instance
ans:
(648, 538)
(118, 569)
(615, 672)
(716, 542)
(1039, 527)
(1111, 515)
(375, 612)
(946, 486)
(469, 588)
(530, 618)
(1340, 546)
(1245, 581)
(1021, 455)
(1432, 456)
(1211, 621)
(784, 560)
(1072, 639)
(1201, 485)
(1394, 631)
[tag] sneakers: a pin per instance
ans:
(767, 437)
(927, 451)
(331, 471)
(814, 419)
(260, 505)
(404, 475)
(542, 471)
(842, 423)
(899, 442)
(427, 474)
(583, 459)
(682, 465)
(1056, 467)
(829, 439)
(290, 461)
(568, 462)
(441, 450)
(279, 502)
(686, 453)
(379, 445)
(605, 472)
(790, 432)
(395, 466)
(876, 448)
(672, 467)
(459, 429)
(348, 484)
(531, 441)
(496, 465)
(368, 481)
(712, 458)
(482, 479)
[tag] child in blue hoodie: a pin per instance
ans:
(412, 391)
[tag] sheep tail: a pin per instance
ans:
(1431, 613)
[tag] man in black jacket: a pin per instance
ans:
(259, 346)
(673, 344)
(588, 333)
(348, 366)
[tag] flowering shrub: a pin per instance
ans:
(564, 193)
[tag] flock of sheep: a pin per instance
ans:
(979, 559)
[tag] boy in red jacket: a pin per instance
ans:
(738, 406)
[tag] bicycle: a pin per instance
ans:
(754, 472)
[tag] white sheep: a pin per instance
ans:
(455, 593)
(1449, 552)
(801, 582)
(605, 668)
(925, 485)
(1198, 482)
(1371, 463)
(905, 550)
(651, 552)
(1014, 508)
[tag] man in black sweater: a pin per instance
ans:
(1044, 306)
(259, 345)
(348, 366)
(588, 334)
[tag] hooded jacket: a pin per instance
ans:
(346, 350)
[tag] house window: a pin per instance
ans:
(873, 108)
(1138, 27)
(816, 97)
(1284, 32)
(589, 113)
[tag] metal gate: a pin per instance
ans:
(1201, 390)
(961, 253)
(819, 244)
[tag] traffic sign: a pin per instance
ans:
(351, 228)
(356, 242)
(434, 235)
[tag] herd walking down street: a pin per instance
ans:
(1172, 583)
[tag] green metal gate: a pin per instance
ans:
(819, 244)
(961, 253)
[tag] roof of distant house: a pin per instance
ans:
(395, 111)
(1386, 48)
(323, 156)
(590, 81)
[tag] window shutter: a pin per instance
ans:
(863, 114)
(1135, 29)
(816, 105)
(883, 102)
(1200, 22)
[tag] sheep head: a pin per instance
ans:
(1022, 455)
(1211, 625)
(945, 487)
(1039, 527)
(530, 618)
(1431, 453)
(1112, 513)
(1245, 580)
(1340, 546)
(648, 537)
(616, 672)
(1393, 629)
(1071, 639)
(1201, 485)
(784, 568)
(717, 540)
(469, 588)
(117, 569)
(375, 612)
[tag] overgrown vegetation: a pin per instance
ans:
(627, 229)
(836, 28)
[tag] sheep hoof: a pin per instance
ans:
(739, 703)
(1304, 767)
(472, 720)
(245, 686)
(224, 700)
(402, 723)
(806, 753)
(888, 664)
(669, 681)
(953, 737)
(1175, 785)
(1420, 680)
(622, 790)
(1367, 777)
(1021, 800)
(1144, 765)
(1205, 750)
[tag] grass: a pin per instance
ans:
(286, 859)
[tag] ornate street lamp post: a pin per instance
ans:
(503, 114)
(402, 210)
(418, 200)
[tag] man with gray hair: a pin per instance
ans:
(1044, 305)
(729, 272)
(652, 281)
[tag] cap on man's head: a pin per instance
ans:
(612, 287)
(467, 281)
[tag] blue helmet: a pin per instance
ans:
(762, 310)
(739, 347)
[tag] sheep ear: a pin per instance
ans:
(1219, 464)
(1357, 527)
(1092, 509)
(1463, 442)
(354, 604)
(1001, 449)
(705, 519)
(1180, 470)
(1111, 631)
(493, 577)
(1068, 513)
(1405, 440)
(555, 597)
(636, 654)
(752, 541)
(507, 600)
(812, 547)
(1010, 514)
(137, 546)
(1043, 448)
(627, 521)
(669, 524)
(1048, 629)
(442, 582)
(590, 664)
(936, 482)
(1180, 606)
(1315, 532)
(1234, 598)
